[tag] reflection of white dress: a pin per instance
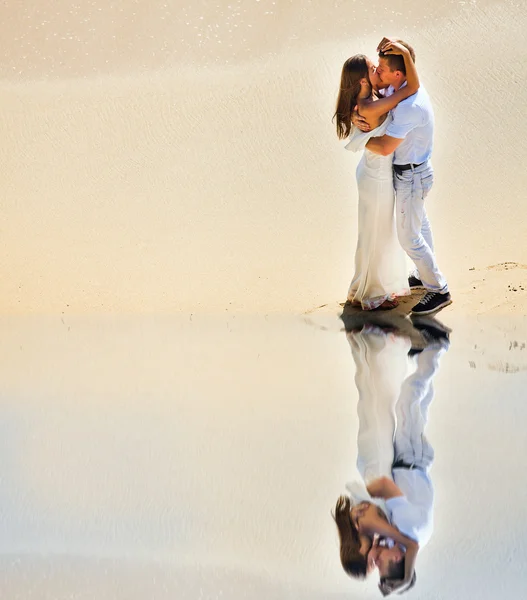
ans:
(380, 263)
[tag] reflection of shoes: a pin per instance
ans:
(431, 302)
(414, 283)
(414, 351)
(432, 330)
(354, 303)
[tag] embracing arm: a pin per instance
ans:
(371, 524)
(384, 145)
(409, 563)
(374, 110)
(383, 487)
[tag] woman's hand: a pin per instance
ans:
(394, 48)
(389, 586)
(384, 41)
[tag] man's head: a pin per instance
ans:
(391, 565)
(391, 69)
(389, 561)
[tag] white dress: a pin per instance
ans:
(380, 262)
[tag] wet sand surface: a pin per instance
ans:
(200, 457)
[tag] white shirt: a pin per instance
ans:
(412, 513)
(413, 121)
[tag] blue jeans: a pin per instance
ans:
(413, 227)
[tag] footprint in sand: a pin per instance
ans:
(506, 367)
(506, 266)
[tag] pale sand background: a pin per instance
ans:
(165, 156)
(169, 458)
(156, 161)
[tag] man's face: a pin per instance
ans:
(383, 558)
(385, 76)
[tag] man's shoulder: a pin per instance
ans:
(408, 108)
(416, 104)
(420, 99)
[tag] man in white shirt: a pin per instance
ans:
(409, 494)
(410, 137)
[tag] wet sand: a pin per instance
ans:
(143, 456)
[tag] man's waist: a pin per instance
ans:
(399, 168)
(401, 464)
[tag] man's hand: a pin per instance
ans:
(383, 487)
(359, 122)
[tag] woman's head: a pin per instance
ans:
(357, 71)
(353, 547)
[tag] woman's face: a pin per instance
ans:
(365, 540)
(358, 511)
(372, 71)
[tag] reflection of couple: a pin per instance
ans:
(385, 521)
(387, 113)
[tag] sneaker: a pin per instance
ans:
(414, 351)
(414, 283)
(432, 330)
(431, 302)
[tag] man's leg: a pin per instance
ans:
(426, 231)
(417, 392)
(412, 187)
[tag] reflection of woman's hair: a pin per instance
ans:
(354, 69)
(353, 562)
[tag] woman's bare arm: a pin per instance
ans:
(371, 523)
(375, 109)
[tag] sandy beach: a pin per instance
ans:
(161, 158)
(177, 234)
(166, 457)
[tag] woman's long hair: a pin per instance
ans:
(353, 562)
(354, 69)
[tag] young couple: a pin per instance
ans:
(385, 522)
(387, 113)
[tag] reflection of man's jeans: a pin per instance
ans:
(411, 445)
(413, 227)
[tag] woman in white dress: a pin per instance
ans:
(380, 263)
